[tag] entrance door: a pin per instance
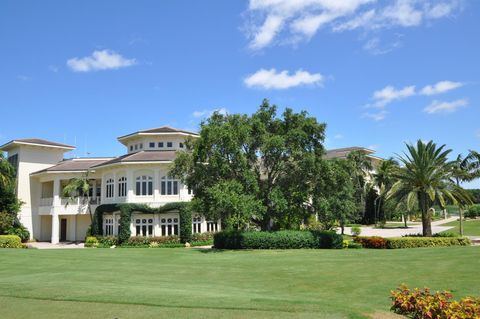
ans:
(63, 229)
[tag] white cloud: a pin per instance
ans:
(272, 22)
(100, 60)
(389, 94)
(440, 87)
(271, 79)
(377, 116)
(445, 107)
(208, 113)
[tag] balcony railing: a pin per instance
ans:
(47, 201)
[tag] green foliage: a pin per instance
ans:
(415, 242)
(126, 210)
(20, 231)
(107, 241)
(472, 211)
(264, 162)
(91, 241)
(356, 231)
(286, 239)
(422, 304)
(153, 242)
(10, 241)
(475, 193)
(333, 194)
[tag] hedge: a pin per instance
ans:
(287, 239)
(415, 242)
(126, 211)
(11, 241)
(411, 242)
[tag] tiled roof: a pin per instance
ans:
(37, 141)
(80, 165)
(160, 130)
(142, 156)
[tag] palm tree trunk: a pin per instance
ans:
(405, 220)
(460, 212)
(426, 220)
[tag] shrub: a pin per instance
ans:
(445, 234)
(20, 231)
(472, 212)
(203, 236)
(91, 241)
(286, 239)
(354, 245)
(422, 304)
(371, 242)
(414, 242)
(356, 230)
(10, 241)
(166, 241)
(107, 241)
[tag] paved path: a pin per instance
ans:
(47, 245)
(415, 228)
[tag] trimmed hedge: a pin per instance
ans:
(411, 242)
(287, 239)
(91, 241)
(415, 242)
(11, 241)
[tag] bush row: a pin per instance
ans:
(287, 239)
(166, 241)
(411, 242)
(473, 211)
(422, 304)
(11, 241)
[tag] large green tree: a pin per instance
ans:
(333, 196)
(361, 175)
(382, 179)
(272, 157)
(425, 180)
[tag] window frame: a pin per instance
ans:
(144, 185)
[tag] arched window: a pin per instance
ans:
(144, 227)
(144, 186)
(122, 186)
(169, 186)
(169, 226)
(109, 188)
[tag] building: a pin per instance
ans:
(139, 176)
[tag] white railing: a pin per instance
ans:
(48, 201)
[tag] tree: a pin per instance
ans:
(424, 179)
(361, 174)
(333, 196)
(79, 188)
(271, 157)
(383, 179)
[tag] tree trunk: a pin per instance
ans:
(460, 212)
(426, 218)
(342, 227)
(405, 220)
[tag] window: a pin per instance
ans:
(160, 144)
(197, 224)
(141, 146)
(169, 186)
(108, 226)
(144, 186)
(110, 186)
(152, 144)
(212, 226)
(169, 226)
(122, 186)
(169, 144)
(136, 147)
(144, 227)
(180, 145)
(131, 148)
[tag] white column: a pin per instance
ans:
(74, 227)
(130, 187)
(56, 192)
(55, 228)
(156, 185)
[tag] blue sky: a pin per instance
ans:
(379, 73)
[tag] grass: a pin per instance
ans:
(470, 227)
(189, 283)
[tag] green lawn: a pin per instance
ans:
(188, 283)
(470, 227)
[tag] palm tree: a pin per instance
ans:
(7, 173)
(424, 180)
(382, 180)
(79, 187)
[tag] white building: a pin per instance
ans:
(139, 176)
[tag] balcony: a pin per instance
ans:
(48, 201)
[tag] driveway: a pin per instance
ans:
(47, 245)
(415, 228)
